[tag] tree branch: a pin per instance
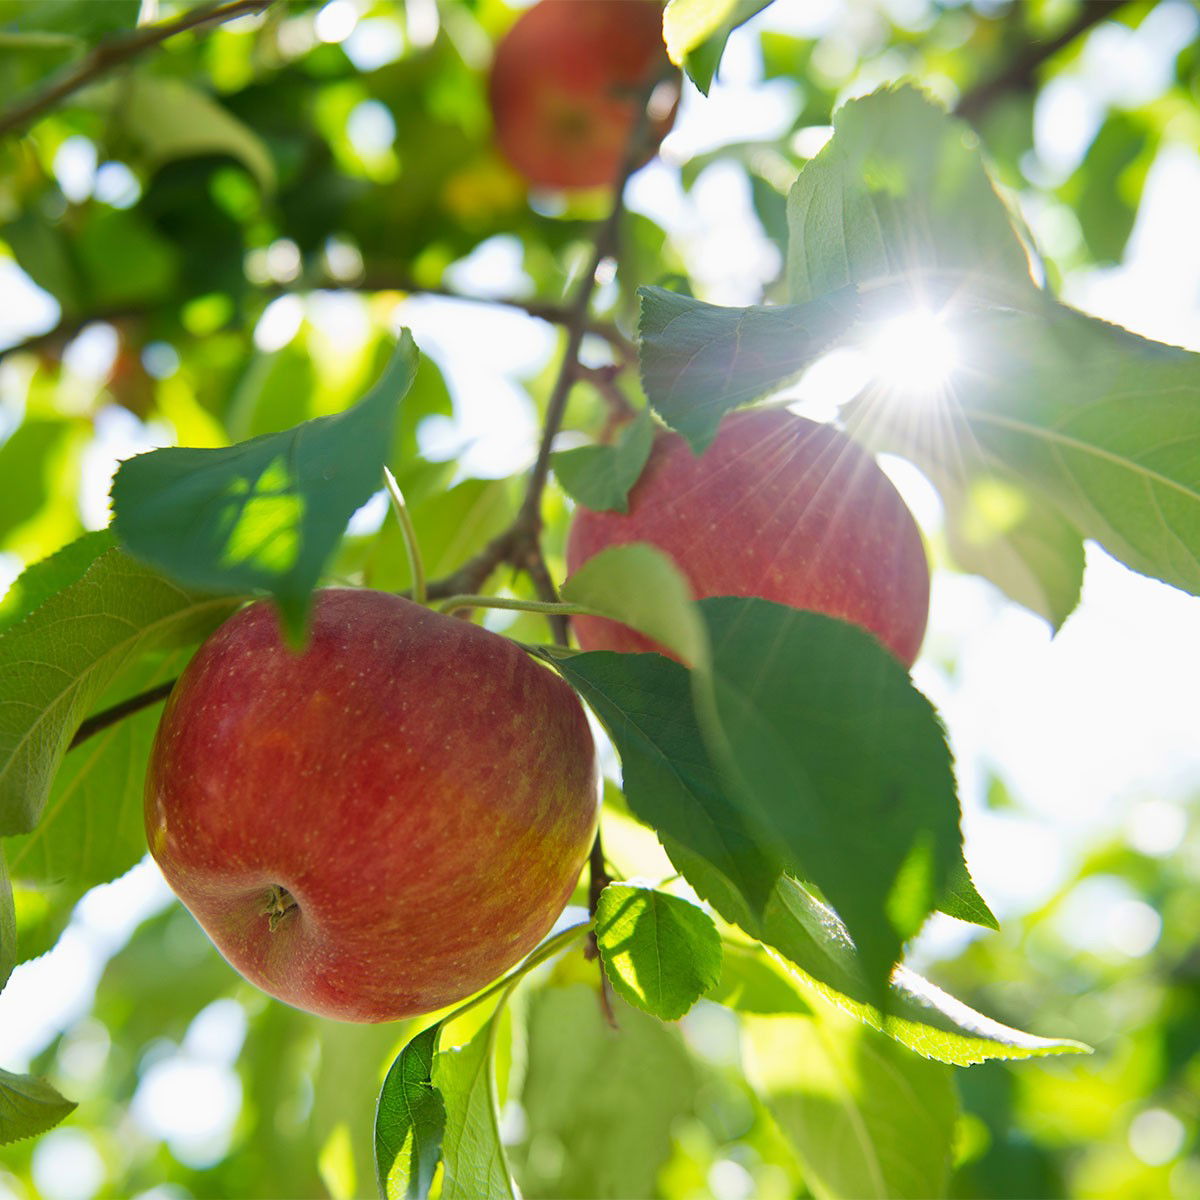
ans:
(115, 52)
(110, 716)
(1020, 73)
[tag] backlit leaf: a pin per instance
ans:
(601, 477)
(28, 1106)
(409, 1121)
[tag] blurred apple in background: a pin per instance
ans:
(381, 825)
(778, 507)
(564, 85)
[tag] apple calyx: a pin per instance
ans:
(278, 904)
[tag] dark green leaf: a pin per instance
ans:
(866, 1118)
(839, 764)
(699, 361)
(601, 477)
(84, 18)
(124, 260)
(604, 1102)
(28, 1106)
(60, 660)
(696, 32)
(473, 1156)
(899, 189)
(660, 952)
(266, 513)
(409, 1122)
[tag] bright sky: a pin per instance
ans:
(1093, 731)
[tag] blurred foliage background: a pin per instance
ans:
(216, 238)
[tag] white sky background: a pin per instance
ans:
(1093, 731)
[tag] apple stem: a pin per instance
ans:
(419, 591)
(278, 904)
(555, 608)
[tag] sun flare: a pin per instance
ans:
(913, 355)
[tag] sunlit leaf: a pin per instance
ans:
(696, 32)
(8, 925)
(868, 1120)
(641, 587)
(700, 361)
(28, 1106)
(38, 582)
(475, 1167)
(60, 660)
(410, 1121)
(266, 513)
(661, 953)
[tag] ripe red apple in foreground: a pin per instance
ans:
(563, 87)
(778, 507)
(381, 825)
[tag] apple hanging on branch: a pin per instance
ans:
(382, 824)
(778, 507)
(564, 88)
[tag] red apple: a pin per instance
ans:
(381, 825)
(778, 507)
(563, 87)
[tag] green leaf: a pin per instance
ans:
(604, 1101)
(644, 702)
(27, 459)
(89, 19)
(1103, 423)
(473, 1156)
(60, 659)
(124, 259)
(28, 1106)
(699, 361)
(899, 189)
(37, 583)
(409, 1121)
(696, 32)
(961, 900)
(821, 958)
(601, 477)
(266, 513)
(866, 1118)
(839, 764)
(93, 829)
(660, 952)
(8, 925)
(640, 586)
(170, 119)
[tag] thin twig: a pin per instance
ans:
(1020, 73)
(118, 712)
(117, 51)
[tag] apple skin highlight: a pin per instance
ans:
(424, 791)
(778, 507)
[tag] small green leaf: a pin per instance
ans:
(38, 582)
(8, 925)
(700, 361)
(171, 119)
(751, 982)
(601, 477)
(660, 952)
(865, 1117)
(642, 588)
(473, 1156)
(696, 32)
(28, 1106)
(961, 900)
(409, 1122)
(900, 189)
(63, 657)
(266, 513)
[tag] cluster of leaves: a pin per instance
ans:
(819, 833)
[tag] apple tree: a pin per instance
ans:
(552, 738)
